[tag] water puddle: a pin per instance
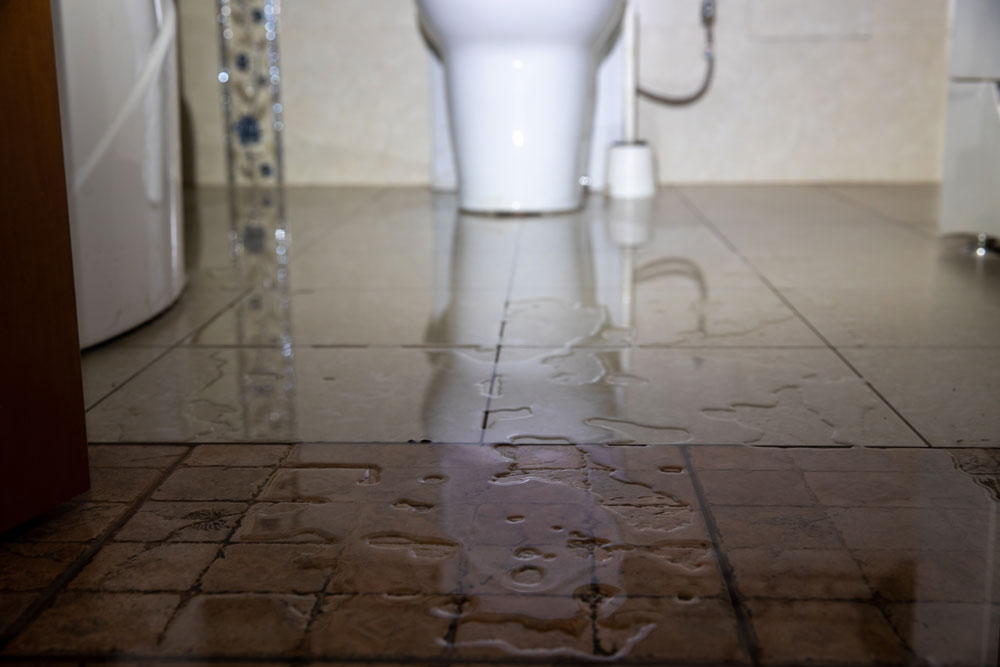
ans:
(417, 547)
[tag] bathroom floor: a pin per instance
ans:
(734, 425)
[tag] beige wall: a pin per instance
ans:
(805, 90)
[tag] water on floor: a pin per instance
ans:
(727, 426)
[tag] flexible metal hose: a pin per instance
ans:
(708, 21)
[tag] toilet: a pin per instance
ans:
(520, 79)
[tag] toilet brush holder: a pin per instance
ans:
(631, 170)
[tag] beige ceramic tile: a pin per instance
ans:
(915, 205)
(212, 483)
(239, 456)
(138, 567)
(87, 623)
(107, 367)
(357, 626)
(182, 522)
(196, 306)
(945, 314)
(134, 456)
(245, 624)
(28, 566)
(279, 568)
(707, 396)
(829, 632)
(440, 316)
(231, 395)
(120, 484)
(956, 409)
(787, 572)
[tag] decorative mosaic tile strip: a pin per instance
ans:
(250, 75)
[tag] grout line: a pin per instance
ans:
(788, 304)
(747, 636)
(910, 227)
(48, 595)
(502, 331)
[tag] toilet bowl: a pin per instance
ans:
(520, 79)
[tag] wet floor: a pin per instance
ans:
(728, 426)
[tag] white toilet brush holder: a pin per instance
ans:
(631, 170)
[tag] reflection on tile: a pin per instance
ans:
(236, 456)
(246, 624)
(956, 409)
(915, 205)
(787, 397)
(231, 395)
(949, 633)
(265, 568)
(212, 483)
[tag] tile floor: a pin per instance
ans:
(740, 425)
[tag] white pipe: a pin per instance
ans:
(630, 44)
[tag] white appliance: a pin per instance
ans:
(117, 66)
(520, 81)
(970, 184)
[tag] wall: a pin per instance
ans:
(805, 90)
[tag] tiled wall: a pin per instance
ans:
(805, 90)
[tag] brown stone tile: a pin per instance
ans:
(211, 483)
(285, 568)
(299, 522)
(681, 570)
(242, 456)
(755, 487)
(665, 458)
(854, 459)
(764, 527)
(359, 626)
(134, 456)
(120, 484)
(182, 522)
(506, 524)
(895, 489)
(239, 624)
(949, 633)
(80, 622)
(495, 627)
(345, 484)
(797, 573)
(412, 455)
(26, 566)
(742, 457)
(12, 605)
(665, 630)
(923, 576)
(977, 461)
(824, 632)
(400, 571)
(557, 570)
(129, 566)
(76, 522)
(899, 528)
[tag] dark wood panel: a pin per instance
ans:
(43, 449)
